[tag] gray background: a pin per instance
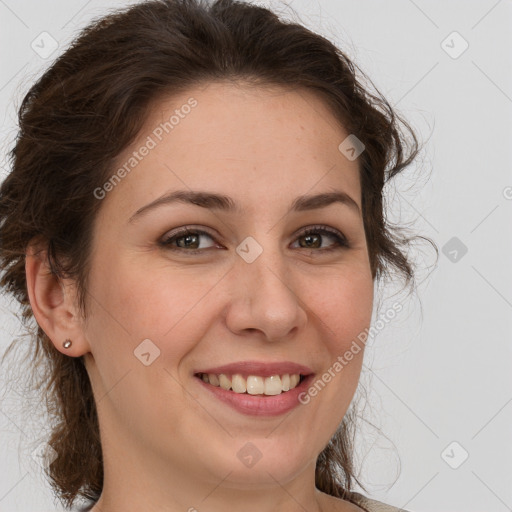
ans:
(439, 373)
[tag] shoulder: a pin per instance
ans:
(355, 502)
(369, 505)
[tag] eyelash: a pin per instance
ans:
(341, 241)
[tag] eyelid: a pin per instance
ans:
(341, 240)
(183, 231)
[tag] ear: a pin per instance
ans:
(53, 304)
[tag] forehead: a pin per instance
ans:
(259, 141)
(249, 115)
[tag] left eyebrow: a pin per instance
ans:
(222, 202)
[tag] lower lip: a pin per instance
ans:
(259, 405)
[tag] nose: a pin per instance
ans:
(264, 298)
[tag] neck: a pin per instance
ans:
(143, 481)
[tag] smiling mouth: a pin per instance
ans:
(253, 384)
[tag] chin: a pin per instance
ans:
(260, 463)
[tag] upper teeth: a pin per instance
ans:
(254, 385)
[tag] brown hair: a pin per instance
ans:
(92, 102)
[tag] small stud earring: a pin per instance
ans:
(67, 344)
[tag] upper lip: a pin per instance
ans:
(258, 368)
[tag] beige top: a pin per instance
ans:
(369, 505)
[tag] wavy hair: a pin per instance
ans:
(92, 102)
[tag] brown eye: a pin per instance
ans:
(186, 240)
(313, 238)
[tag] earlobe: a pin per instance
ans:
(52, 304)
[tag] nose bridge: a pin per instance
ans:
(262, 260)
(265, 298)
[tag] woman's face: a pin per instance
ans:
(245, 287)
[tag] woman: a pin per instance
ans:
(194, 218)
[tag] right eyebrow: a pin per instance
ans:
(215, 201)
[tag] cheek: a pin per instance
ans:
(154, 301)
(343, 307)
(133, 292)
(142, 298)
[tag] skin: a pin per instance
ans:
(167, 445)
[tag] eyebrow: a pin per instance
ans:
(221, 202)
